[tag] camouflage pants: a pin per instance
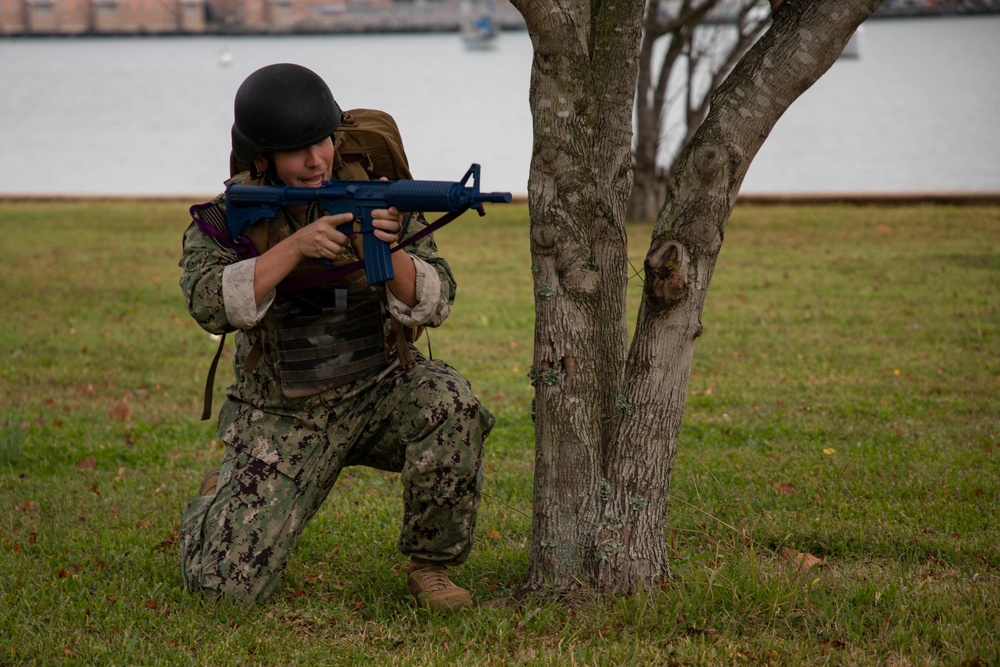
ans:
(424, 423)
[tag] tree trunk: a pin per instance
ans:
(606, 424)
(647, 193)
(577, 197)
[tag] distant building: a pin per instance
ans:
(337, 16)
(151, 17)
(157, 17)
(102, 17)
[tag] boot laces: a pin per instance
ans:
(434, 579)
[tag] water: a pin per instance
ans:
(152, 115)
(917, 111)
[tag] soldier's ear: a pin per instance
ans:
(259, 165)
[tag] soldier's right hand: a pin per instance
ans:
(321, 239)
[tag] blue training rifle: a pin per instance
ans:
(248, 204)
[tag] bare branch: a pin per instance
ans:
(748, 30)
(690, 13)
(706, 64)
(680, 29)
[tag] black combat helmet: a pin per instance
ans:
(282, 107)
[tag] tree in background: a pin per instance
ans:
(607, 413)
(687, 49)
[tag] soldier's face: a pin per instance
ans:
(307, 167)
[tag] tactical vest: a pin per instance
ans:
(323, 337)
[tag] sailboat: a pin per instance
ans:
(479, 24)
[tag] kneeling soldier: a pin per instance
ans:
(324, 375)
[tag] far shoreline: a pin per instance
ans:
(952, 198)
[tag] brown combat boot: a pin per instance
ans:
(209, 483)
(432, 589)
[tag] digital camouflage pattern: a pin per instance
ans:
(284, 455)
(424, 423)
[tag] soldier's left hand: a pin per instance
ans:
(388, 224)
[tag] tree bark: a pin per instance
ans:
(607, 421)
(583, 67)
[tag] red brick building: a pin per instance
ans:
(111, 17)
(151, 17)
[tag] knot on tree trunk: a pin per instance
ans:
(708, 159)
(550, 373)
(582, 281)
(544, 237)
(667, 272)
(548, 155)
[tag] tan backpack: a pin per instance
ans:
(370, 139)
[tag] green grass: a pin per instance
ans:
(843, 402)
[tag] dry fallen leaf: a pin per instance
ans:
(121, 411)
(803, 561)
(931, 574)
(86, 463)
